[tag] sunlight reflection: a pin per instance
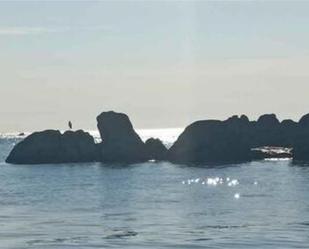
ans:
(212, 181)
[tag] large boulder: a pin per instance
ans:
(51, 146)
(120, 142)
(155, 149)
(212, 141)
(304, 121)
(301, 140)
(268, 120)
(232, 140)
(78, 146)
(266, 131)
(288, 131)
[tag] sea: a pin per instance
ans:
(260, 204)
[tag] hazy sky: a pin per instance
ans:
(164, 63)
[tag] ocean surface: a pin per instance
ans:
(262, 204)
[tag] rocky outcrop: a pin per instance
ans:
(214, 141)
(51, 146)
(266, 131)
(120, 142)
(301, 139)
(232, 140)
(155, 149)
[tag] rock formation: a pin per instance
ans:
(300, 139)
(232, 140)
(51, 146)
(212, 141)
(120, 142)
(155, 149)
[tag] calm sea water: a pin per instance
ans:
(153, 205)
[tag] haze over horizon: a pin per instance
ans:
(165, 64)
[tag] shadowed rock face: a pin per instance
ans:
(155, 149)
(212, 141)
(120, 142)
(203, 141)
(304, 121)
(51, 146)
(233, 139)
(266, 131)
(301, 140)
(116, 127)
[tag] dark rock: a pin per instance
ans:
(288, 123)
(266, 131)
(301, 151)
(301, 140)
(78, 146)
(51, 146)
(120, 143)
(244, 118)
(301, 144)
(155, 149)
(210, 141)
(288, 129)
(233, 139)
(304, 121)
(237, 123)
(268, 120)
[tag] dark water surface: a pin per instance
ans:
(153, 205)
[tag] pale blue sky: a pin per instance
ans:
(165, 63)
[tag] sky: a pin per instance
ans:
(164, 63)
